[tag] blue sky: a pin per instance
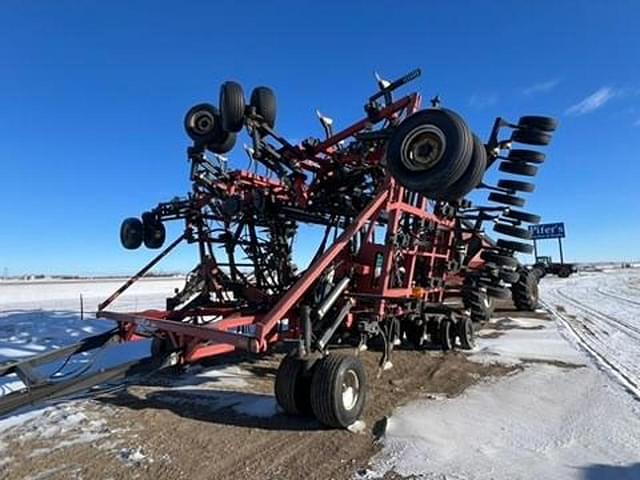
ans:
(92, 97)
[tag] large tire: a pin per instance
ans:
(531, 136)
(264, 101)
(472, 177)
(465, 333)
(504, 199)
(546, 124)
(446, 334)
(429, 151)
(564, 272)
(515, 246)
(475, 298)
(292, 387)
(498, 292)
(525, 291)
(232, 106)
(131, 233)
(202, 123)
(530, 156)
(523, 216)
(338, 390)
(518, 168)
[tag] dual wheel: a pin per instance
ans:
(150, 231)
(434, 152)
(216, 128)
(333, 388)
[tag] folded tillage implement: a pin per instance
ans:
(401, 244)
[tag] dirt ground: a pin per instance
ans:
(155, 429)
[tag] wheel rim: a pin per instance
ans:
(423, 148)
(350, 389)
(202, 122)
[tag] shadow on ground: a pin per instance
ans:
(611, 472)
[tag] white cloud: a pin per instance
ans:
(541, 87)
(483, 100)
(593, 102)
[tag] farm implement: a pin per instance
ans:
(403, 257)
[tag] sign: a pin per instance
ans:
(547, 230)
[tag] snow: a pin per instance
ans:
(562, 416)
(36, 317)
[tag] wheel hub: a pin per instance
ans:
(203, 123)
(350, 390)
(423, 148)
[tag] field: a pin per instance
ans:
(543, 395)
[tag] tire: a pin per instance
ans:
(546, 124)
(232, 106)
(131, 233)
(498, 259)
(508, 276)
(414, 333)
(515, 246)
(472, 177)
(516, 186)
(154, 234)
(330, 401)
(531, 136)
(264, 101)
(227, 142)
(522, 216)
(465, 332)
(446, 335)
(504, 199)
(564, 272)
(512, 231)
(530, 156)
(161, 350)
(292, 387)
(202, 122)
(525, 292)
(498, 292)
(432, 175)
(475, 299)
(519, 168)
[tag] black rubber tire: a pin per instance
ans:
(154, 234)
(512, 231)
(472, 177)
(436, 179)
(465, 333)
(326, 390)
(518, 168)
(202, 122)
(564, 272)
(446, 335)
(498, 292)
(531, 136)
(263, 99)
(546, 124)
(504, 199)
(525, 291)
(475, 298)
(523, 216)
(131, 233)
(499, 259)
(516, 186)
(515, 246)
(292, 387)
(232, 106)
(527, 156)
(508, 276)
(226, 143)
(414, 333)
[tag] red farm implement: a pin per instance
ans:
(401, 248)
